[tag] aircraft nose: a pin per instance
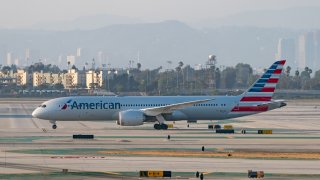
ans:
(35, 113)
(39, 113)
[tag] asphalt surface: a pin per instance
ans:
(29, 148)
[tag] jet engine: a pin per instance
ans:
(131, 118)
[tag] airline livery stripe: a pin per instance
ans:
(258, 94)
(274, 71)
(268, 89)
(279, 67)
(266, 76)
(277, 71)
(273, 76)
(270, 85)
(272, 80)
(256, 99)
(262, 80)
(250, 109)
(282, 62)
(269, 71)
(255, 90)
(258, 85)
(274, 66)
(264, 89)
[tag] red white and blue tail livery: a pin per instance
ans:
(136, 110)
(258, 98)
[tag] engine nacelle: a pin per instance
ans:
(131, 118)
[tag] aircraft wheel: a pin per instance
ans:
(54, 126)
(164, 126)
(157, 126)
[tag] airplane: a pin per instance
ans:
(136, 110)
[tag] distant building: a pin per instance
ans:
(27, 56)
(73, 79)
(78, 52)
(95, 79)
(37, 79)
(100, 58)
(56, 78)
(9, 59)
(286, 50)
(7, 78)
(16, 62)
(198, 67)
(60, 61)
(23, 77)
(40, 78)
(308, 50)
(316, 38)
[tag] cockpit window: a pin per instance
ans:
(43, 106)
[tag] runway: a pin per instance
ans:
(30, 148)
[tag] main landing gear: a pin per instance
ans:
(161, 126)
(54, 125)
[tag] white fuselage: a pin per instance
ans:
(105, 108)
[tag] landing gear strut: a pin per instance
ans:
(161, 126)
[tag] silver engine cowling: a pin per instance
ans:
(131, 118)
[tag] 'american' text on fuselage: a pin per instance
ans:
(98, 105)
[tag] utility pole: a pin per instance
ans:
(108, 78)
(92, 76)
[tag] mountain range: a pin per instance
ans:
(233, 39)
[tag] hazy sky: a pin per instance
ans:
(24, 13)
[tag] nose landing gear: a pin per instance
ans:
(54, 125)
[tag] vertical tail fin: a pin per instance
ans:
(264, 87)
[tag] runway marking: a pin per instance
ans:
(78, 157)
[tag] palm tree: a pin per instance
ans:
(139, 66)
(178, 69)
(180, 63)
(288, 69)
(68, 65)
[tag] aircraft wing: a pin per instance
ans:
(170, 108)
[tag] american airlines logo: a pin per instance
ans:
(65, 106)
(97, 105)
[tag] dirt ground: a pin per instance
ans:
(262, 155)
